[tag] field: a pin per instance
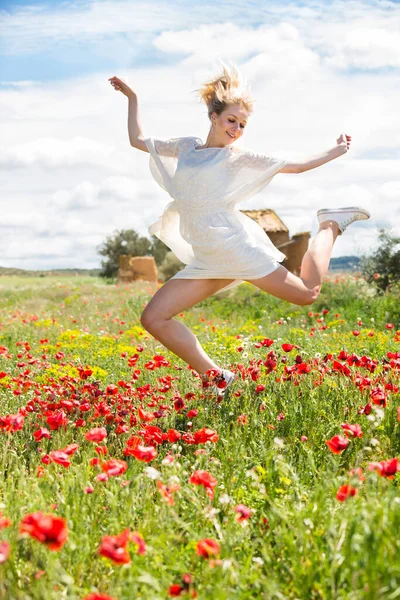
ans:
(121, 478)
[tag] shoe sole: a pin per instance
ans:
(346, 209)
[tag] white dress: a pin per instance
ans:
(201, 225)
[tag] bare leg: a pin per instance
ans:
(315, 262)
(303, 290)
(172, 298)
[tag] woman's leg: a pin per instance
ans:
(172, 298)
(305, 289)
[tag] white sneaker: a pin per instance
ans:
(223, 382)
(220, 383)
(343, 216)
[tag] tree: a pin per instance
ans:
(127, 241)
(383, 265)
(170, 265)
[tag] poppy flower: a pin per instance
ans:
(205, 435)
(114, 467)
(243, 513)
(114, 547)
(378, 396)
(13, 422)
(167, 490)
(288, 347)
(70, 449)
(57, 419)
(4, 522)
(137, 539)
(177, 589)
(352, 430)
(192, 413)
(41, 433)
(4, 552)
(48, 529)
(344, 492)
(386, 468)
(143, 453)
(337, 444)
(207, 547)
(205, 479)
(98, 434)
(61, 458)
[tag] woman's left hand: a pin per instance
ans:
(344, 142)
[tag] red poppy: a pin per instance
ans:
(344, 492)
(192, 413)
(288, 347)
(61, 458)
(206, 480)
(12, 422)
(146, 415)
(41, 433)
(243, 513)
(167, 490)
(48, 529)
(205, 435)
(114, 547)
(70, 449)
(386, 468)
(114, 467)
(207, 547)
(98, 434)
(352, 430)
(144, 453)
(172, 435)
(57, 419)
(337, 444)
(152, 435)
(378, 396)
(4, 552)
(4, 522)
(137, 539)
(175, 590)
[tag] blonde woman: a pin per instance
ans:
(220, 246)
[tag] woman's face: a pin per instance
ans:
(230, 124)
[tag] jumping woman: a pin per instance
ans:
(220, 246)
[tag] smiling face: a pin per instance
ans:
(230, 124)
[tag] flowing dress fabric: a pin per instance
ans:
(201, 225)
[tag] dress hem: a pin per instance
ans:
(208, 275)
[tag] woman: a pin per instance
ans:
(220, 246)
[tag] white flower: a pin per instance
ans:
(152, 473)
(225, 499)
(258, 560)
(279, 442)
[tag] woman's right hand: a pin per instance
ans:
(120, 85)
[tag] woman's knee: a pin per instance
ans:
(148, 320)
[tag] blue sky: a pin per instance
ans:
(70, 177)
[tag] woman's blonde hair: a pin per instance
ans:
(227, 89)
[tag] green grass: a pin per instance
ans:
(300, 541)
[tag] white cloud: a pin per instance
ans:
(50, 153)
(70, 176)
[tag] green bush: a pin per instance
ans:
(127, 241)
(383, 265)
(170, 266)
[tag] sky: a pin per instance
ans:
(69, 177)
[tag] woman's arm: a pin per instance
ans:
(342, 146)
(135, 132)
